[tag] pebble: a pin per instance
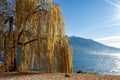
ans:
(67, 75)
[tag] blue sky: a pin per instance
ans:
(93, 19)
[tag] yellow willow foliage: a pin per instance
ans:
(50, 2)
(40, 34)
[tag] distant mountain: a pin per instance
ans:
(82, 45)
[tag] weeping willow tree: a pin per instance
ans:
(35, 38)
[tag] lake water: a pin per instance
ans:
(101, 64)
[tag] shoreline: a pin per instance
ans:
(55, 76)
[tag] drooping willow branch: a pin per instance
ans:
(28, 42)
(35, 38)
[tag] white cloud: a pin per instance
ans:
(109, 38)
(113, 41)
(113, 3)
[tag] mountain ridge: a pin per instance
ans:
(83, 45)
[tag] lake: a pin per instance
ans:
(101, 64)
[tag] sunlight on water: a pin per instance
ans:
(117, 63)
(101, 64)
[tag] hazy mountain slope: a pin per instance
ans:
(90, 46)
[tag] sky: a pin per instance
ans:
(92, 19)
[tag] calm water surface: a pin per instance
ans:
(101, 64)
